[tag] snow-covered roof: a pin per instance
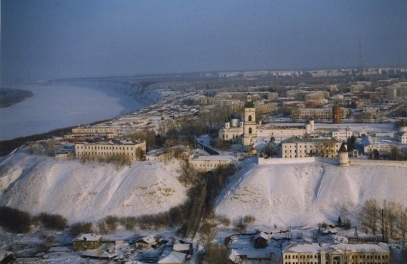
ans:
(173, 257)
(4, 254)
(88, 237)
(250, 253)
(216, 157)
(148, 239)
(263, 235)
(181, 247)
(318, 247)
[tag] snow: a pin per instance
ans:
(88, 237)
(89, 191)
(285, 192)
(173, 257)
(308, 194)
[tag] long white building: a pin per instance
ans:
(301, 147)
(213, 162)
(110, 148)
(315, 253)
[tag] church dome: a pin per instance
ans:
(235, 116)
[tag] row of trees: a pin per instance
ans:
(387, 217)
(17, 221)
(395, 153)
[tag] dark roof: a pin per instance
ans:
(234, 116)
(249, 105)
(343, 148)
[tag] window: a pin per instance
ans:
(250, 118)
(250, 130)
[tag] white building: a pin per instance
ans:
(213, 162)
(319, 253)
(233, 130)
(401, 135)
(110, 148)
(301, 147)
(342, 134)
(285, 131)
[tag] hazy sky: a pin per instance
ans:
(47, 39)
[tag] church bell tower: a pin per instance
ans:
(249, 127)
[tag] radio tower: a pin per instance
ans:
(360, 67)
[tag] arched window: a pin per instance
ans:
(250, 118)
(250, 130)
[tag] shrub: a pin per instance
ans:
(80, 228)
(53, 221)
(224, 220)
(111, 222)
(102, 227)
(14, 220)
(128, 222)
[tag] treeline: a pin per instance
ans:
(10, 96)
(386, 218)
(17, 221)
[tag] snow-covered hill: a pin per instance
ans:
(87, 191)
(294, 194)
(302, 194)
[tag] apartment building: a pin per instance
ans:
(323, 113)
(301, 147)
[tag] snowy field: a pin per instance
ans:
(57, 106)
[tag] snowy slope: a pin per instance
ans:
(87, 191)
(304, 194)
(295, 194)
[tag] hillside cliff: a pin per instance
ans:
(295, 194)
(300, 194)
(87, 191)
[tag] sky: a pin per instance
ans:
(50, 39)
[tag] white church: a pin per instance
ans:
(241, 132)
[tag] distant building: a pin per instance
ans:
(342, 134)
(301, 147)
(401, 135)
(212, 162)
(110, 148)
(233, 130)
(318, 113)
(87, 242)
(285, 131)
(336, 253)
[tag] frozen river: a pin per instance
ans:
(58, 106)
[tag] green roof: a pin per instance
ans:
(249, 105)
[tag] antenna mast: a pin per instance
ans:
(360, 67)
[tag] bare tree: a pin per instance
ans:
(369, 216)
